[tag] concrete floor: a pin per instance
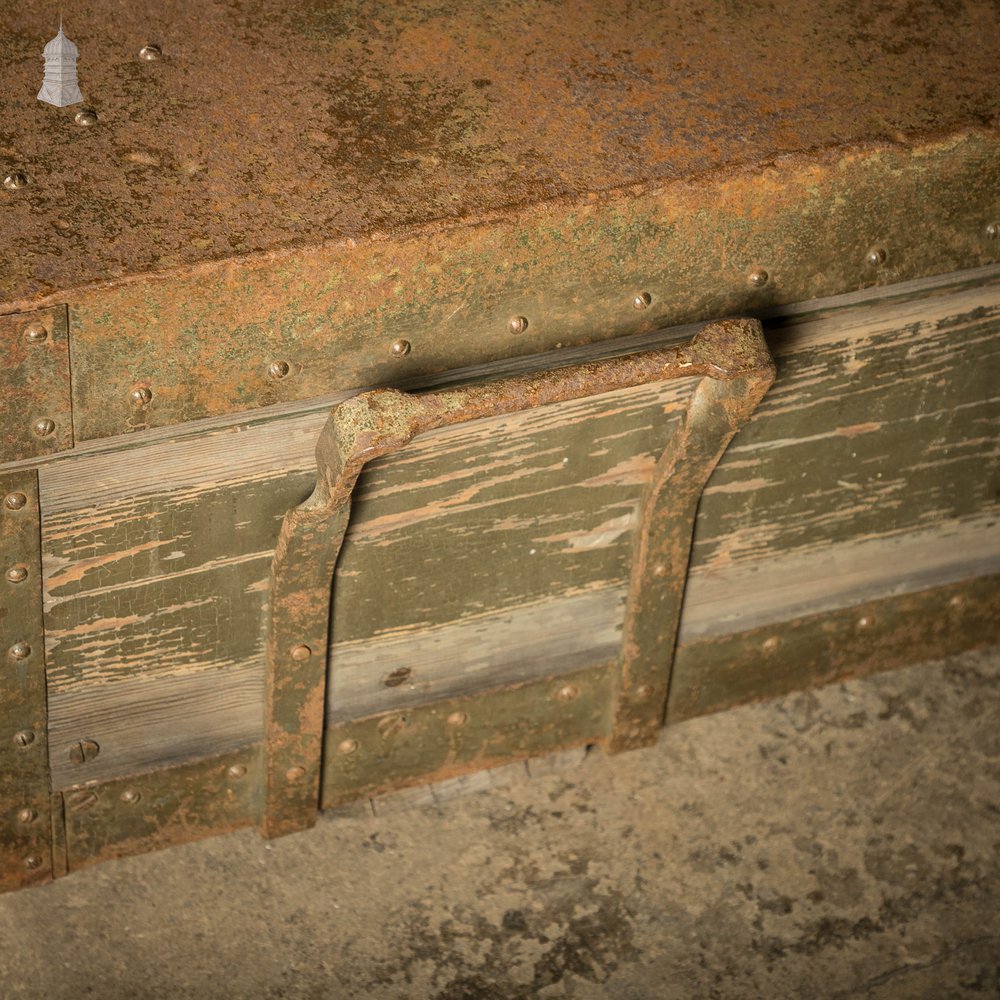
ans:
(839, 843)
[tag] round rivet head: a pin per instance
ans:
(150, 53)
(20, 651)
(130, 796)
(400, 348)
(15, 501)
(660, 570)
(295, 773)
(568, 692)
(15, 181)
(16, 574)
(43, 427)
(237, 771)
(642, 301)
(347, 746)
(86, 117)
(876, 257)
(301, 653)
(24, 738)
(771, 643)
(517, 324)
(26, 815)
(33, 861)
(644, 692)
(457, 719)
(141, 395)
(866, 621)
(35, 333)
(993, 230)
(758, 277)
(279, 369)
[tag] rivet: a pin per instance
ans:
(43, 427)
(35, 333)
(771, 643)
(26, 815)
(15, 181)
(957, 601)
(141, 395)
(517, 324)
(644, 692)
(457, 719)
(17, 574)
(295, 773)
(568, 693)
(865, 621)
(236, 771)
(660, 570)
(400, 348)
(83, 751)
(301, 653)
(347, 746)
(33, 861)
(993, 230)
(14, 501)
(130, 796)
(758, 277)
(875, 257)
(397, 677)
(20, 651)
(642, 300)
(278, 369)
(86, 117)
(24, 738)
(150, 53)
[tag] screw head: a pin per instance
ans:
(24, 738)
(457, 719)
(517, 324)
(86, 117)
(347, 746)
(26, 815)
(16, 574)
(35, 333)
(993, 230)
(19, 651)
(279, 369)
(397, 676)
(150, 53)
(758, 277)
(400, 348)
(875, 257)
(83, 751)
(301, 653)
(568, 692)
(295, 773)
(237, 771)
(642, 300)
(43, 427)
(33, 862)
(15, 501)
(15, 181)
(130, 796)
(141, 395)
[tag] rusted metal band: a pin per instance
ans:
(25, 833)
(374, 424)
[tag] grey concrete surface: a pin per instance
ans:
(838, 843)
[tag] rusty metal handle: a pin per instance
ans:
(732, 357)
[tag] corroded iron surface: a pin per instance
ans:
(376, 423)
(269, 124)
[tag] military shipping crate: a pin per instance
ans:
(397, 390)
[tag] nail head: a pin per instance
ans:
(17, 574)
(43, 427)
(142, 395)
(15, 181)
(457, 719)
(130, 796)
(758, 277)
(86, 117)
(347, 746)
(26, 815)
(35, 333)
(301, 653)
(400, 348)
(15, 501)
(150, 53)
(295, 773)
(20, 651)
(278, 369)
(876, 256)
(236, 771)
(642, 300)
(517, 324)
(568, 692)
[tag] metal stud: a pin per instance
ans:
(642, 300)
(278, 369)
(956, 602)
(150, 53)
(83, 751)
(771, 643)
(24, 738)
(295, 773)
(517, 324)
(86, 117)
(43, 427)
(130, 796)
(568, 692)
(866, 621)
(644, 692)
(347, 746)
(758, 277)
(660, 570)
(26, 815)
(16, 574)
(19, 651)
(33, 862)
(993, 230)
(35, 333)
(301, 653)
(141, 395)
(457, 719)
(237, 771)
(14, 501)
(15, 181)
(876, 257)
(400, 348)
